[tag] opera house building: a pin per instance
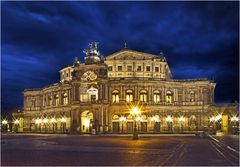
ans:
(112, 94)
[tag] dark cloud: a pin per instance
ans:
(199, 39)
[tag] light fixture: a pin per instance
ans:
(4, 122)
(181, 119)
(16, 121)
(135, 111)
(169, 118)
(122, 119)
(53, 120)
(45, 120)
(234, 119)
(63, 120)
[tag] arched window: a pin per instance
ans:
(192, 96)
(115, 96)
(143, 95)
(50, 102)
(56, 99)
(65, 98)
(129, 96)
(169, 97)
(93, 93)
(156, 96)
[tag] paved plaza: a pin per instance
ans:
(149, 150)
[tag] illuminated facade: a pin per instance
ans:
(97, 96)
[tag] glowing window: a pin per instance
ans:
(143, 95)
(129, 95)
(65, 98)
(169, 97)
(115, 96)
(156, 96)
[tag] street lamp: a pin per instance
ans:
(234, 120)
(38, 122)
(45, 121)
(53, 121)
(135, 111)
(16, 123)
(169, 121)
(5, 124)
(215, 120)
(155, 120)
(63, 121)
(122, 119)
(181, 120)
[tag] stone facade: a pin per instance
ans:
(97, 96)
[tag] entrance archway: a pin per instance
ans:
(86, 121)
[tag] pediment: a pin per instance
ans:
(130, 55)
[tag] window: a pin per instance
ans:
(56, 100)
(115, 96)
(169, 97)
(148, 68)
(65, 99)
(92, 94)
(143, 95)
(50, 100)
(129, 96)
(33, 102)
(45, 101)
(93, 97)
(110, 68)
(156, 69)
(119, 68)
(67, 74)
(192, 96)
(156, 96)
(129, 68)
(139, 68)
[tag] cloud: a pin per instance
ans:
(199, 39)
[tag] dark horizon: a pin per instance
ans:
(199, 39)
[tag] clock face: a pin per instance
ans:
(89, 76)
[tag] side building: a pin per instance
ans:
(99, 94)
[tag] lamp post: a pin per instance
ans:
(45, 121)
(135, 111)
(53, 121)
(16, 123)
(122, 119)
(169, 121)
(63, 121)
(5, 124)
(234, 120)
(181, 120)
(215, 120)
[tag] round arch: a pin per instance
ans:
(86, 121)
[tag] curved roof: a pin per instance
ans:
(132, 55)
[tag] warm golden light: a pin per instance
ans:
(234, 119)
(212, 119)
(86, 122)
(218, 117)
(155, 118)
(45, 120)
(53, 120)
(63, 120)
(16, 121)
(4, 122)
(169, 118)
(122, 119)
(138, 119)
(181, 119)
(135, 111)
